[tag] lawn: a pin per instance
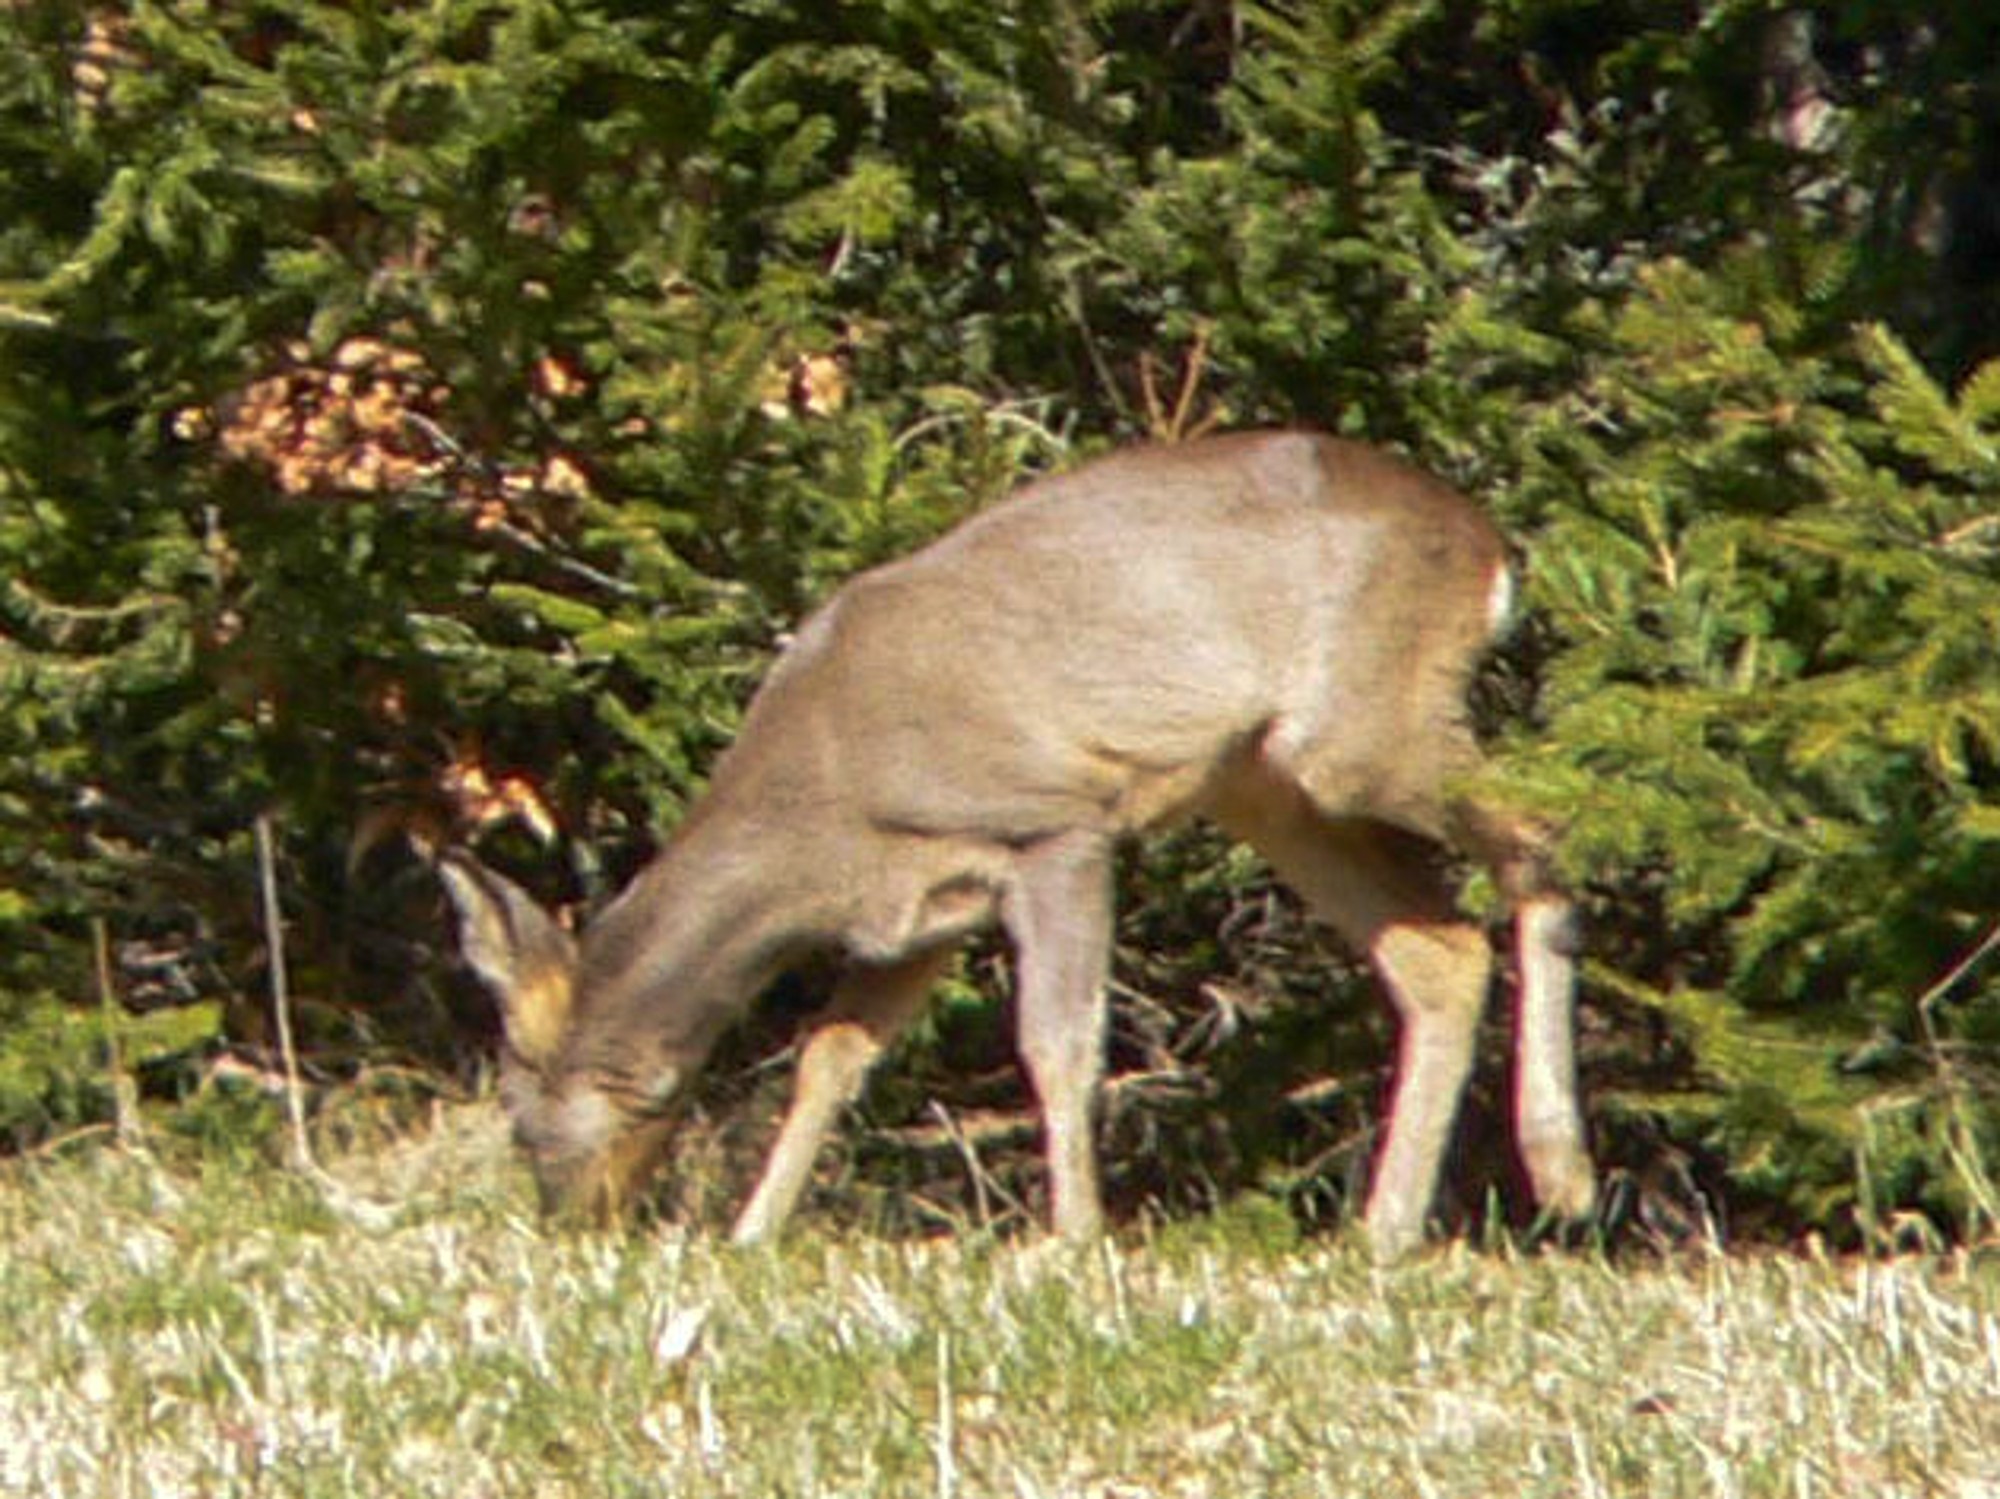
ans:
(189, 1327)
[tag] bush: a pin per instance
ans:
(425, 421)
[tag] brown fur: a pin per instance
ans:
(1274, 631)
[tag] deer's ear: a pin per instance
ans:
(518, 951)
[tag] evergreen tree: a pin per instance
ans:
(425, 420)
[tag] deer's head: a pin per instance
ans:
(589, 1140)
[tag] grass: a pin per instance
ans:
(204, 1329)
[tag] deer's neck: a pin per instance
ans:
(702, 931)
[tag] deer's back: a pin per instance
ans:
(1094, 646)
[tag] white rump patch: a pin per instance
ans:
(1500, 600)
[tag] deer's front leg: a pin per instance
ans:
(1058, 914)
(870, 1007)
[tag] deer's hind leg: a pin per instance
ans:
(1381, 889)
(1548, 1120)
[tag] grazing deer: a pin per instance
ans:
(1273, 631)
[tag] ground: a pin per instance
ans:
(174, 1324)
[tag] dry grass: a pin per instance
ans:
(214, 1331)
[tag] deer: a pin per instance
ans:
(1274, 631)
